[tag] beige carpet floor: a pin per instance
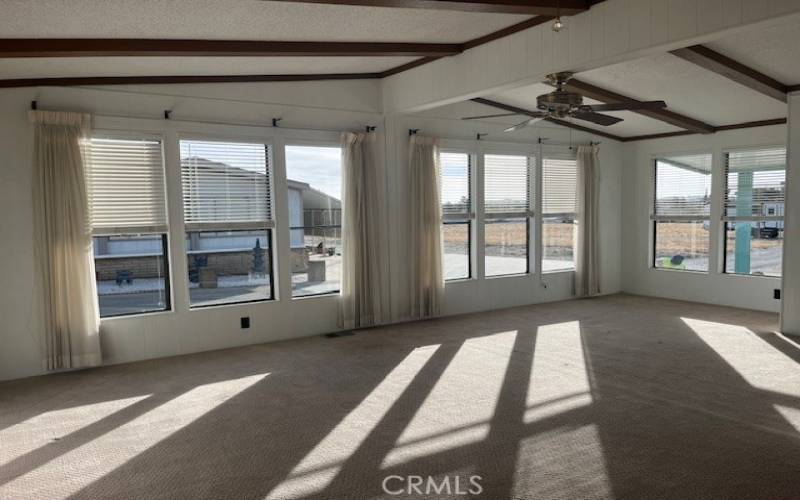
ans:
(619, 397)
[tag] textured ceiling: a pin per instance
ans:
(241, 20)
(774, 51)
(169, 66)
(687, 89)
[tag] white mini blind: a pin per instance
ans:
(559, 184)
(226, 185)
(755, 184)
(455, 186)
(125, 183)
(507, 185)
(683, 187)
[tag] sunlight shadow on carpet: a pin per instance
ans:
(68, 473)
(321, 465)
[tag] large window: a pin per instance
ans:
(127, 202)
(314, 178)
(228, 215)
(559, 207)
(507, 213)
(755, 182)
(681, 211)
(456, 214)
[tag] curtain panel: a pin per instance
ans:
(64, 266)
(364, 296)
(425, 231)
(587, 251)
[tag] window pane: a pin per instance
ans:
(683, 185)
(558, 242)
(682, 245)
(455, 185)
(455, 240)
(506, 247)
(314, 176)
(754, 247)
(227, 267)
(506, 184)
(131, 274)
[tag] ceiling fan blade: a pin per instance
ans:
(619, 106)
(529, 121)
(488, 116)
(597, 118)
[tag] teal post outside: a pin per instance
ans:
(744, 204)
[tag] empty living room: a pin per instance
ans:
(400, 249)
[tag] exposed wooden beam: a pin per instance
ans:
(137, 80)
(531, 7)
(733, 70)
(91, 47)
(664, 115)
(721, 128)
(514, 28)
(531, 113)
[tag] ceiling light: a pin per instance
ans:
(558, 25)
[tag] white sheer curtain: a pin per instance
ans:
(64, 265)
(587, 243)
(364, 299)
(426, 274)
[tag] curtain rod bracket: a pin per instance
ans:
(413, 131)
(167, 114)
(479, 135)
(370, 128)
(275, 121)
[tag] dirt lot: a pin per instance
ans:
(509, 234)
(692, 239)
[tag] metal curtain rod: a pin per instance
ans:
(545, 141)
(169, 116)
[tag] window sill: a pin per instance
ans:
(756, 276)
(136, 315)
(318, 295)
(230, 304)
(558, 271)
(456, 281)
(680, 271)
(501, 276)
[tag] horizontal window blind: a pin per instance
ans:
(559, 184)
(125, 184)
(755, 184)
(507, 185)
(226, 185)
(455, 186)
(683, 187)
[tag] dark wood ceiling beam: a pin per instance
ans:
(733, 70)
(122, 47)
(721, 128)
(530, 7)
(531, 113)
(138, 80)
(664, 115)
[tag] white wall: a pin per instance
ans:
(790, 314)
(329, 105)
(638, 276)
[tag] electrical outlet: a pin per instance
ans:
(245, 321)
(776, 294)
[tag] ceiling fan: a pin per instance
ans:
(561, 104)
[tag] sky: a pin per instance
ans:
(320, 167)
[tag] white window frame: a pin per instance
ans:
(472, 214)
